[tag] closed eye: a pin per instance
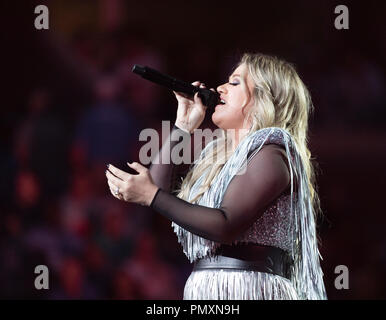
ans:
(234, 83)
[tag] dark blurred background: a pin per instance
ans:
(70, 104)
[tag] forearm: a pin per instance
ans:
(209, 223)
(163, 166)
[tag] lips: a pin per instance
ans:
(222, 101)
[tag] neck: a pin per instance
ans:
(237, 135)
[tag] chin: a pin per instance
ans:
(215, 120)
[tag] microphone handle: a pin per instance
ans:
(208, 97)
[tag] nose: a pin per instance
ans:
(221, 88)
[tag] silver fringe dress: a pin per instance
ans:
(288, 224)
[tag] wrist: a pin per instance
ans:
(152, 194)
(182, 127)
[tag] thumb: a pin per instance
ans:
(197, 99)
(137, 167)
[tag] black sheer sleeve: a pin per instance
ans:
(247, 197)
(161, 170)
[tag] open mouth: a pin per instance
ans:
(222, 101)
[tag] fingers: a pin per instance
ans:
(198, 84)
(196, 99)
(195, 96)
(113, 189)
(180, 95)
(116, 182)
(118, 172)
(137, 167)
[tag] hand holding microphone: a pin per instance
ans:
(210, 98)
(190, 112)
(193, 99)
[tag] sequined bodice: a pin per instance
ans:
(273, 227)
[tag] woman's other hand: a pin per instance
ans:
(137, 188)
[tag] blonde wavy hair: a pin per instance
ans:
(280, 100)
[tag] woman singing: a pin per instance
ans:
(245, 212)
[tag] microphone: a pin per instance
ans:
(208, 97)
